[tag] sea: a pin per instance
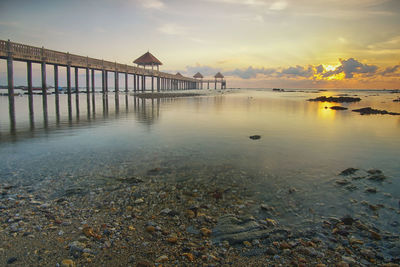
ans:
(303, 147)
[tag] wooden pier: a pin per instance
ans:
(160, 81)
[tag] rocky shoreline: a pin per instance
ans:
(147, 221)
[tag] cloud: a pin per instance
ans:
(278, 5)
(390, 70)
(250, 72)
(172, 29)
(347, 68)
(152, 4)
(319, 68)
(298, 71)
(351, 66)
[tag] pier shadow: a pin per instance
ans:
(67, 113)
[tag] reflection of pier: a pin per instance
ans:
(103, 108)
(159, 81)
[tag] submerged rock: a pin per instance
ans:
(237, 230)
(348, 171)
(340, 99)
(371, 111)
(255, 137)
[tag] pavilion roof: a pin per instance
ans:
(198, 75)
(147, 59)
(179, 74)
(219, 75)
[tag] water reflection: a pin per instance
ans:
(21, 126)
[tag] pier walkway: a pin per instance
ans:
(160, 81)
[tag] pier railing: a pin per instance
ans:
(36, 54)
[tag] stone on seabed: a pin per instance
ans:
(68, 263)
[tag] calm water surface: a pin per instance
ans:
(303, 146)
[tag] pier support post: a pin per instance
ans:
(143, 83)
(77, 91)
(29, 80)
(93, 87)
(88, 92)
(134, 83)
(93, 96)
(69, 91)
(158, 84)
(76, 81)
(116, 78)
(215, 84)
(126, 82)
(44, 89)
(152, 83)
(56, 92)
(106, 81)
(103, 81)
(87, 81)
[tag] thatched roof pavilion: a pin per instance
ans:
(147, 59)
(219, 76)
(179, 74)
(198, 75)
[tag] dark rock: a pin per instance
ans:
(338, 108)
(348, 171)
(347, 220)
(271, 251)
(255, 137)
(11, 260)
(371, 190)
(371, 111)
(377, 177)
(374, 171)
(340, 99)
(342, 182)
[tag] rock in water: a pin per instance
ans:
(371, 111)
(338, 108)
(255, 137)
(347, 220)
(348, 171)
(340, 99)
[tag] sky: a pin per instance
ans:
(254, 43)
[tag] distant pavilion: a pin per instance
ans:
(199, 76)
(219, 76)
(148, 59)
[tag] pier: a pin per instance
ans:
(160, 81)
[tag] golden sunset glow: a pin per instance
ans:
(258, 43)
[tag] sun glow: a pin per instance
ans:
(330, 67)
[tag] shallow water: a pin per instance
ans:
(303, 146)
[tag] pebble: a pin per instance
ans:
(189, 256)
(172, 239)
(348, 260)
(143, 264)
(247, 244)
(68, 263)
(139, 201)
(162, 258)
(150, 229)
(205, 231)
